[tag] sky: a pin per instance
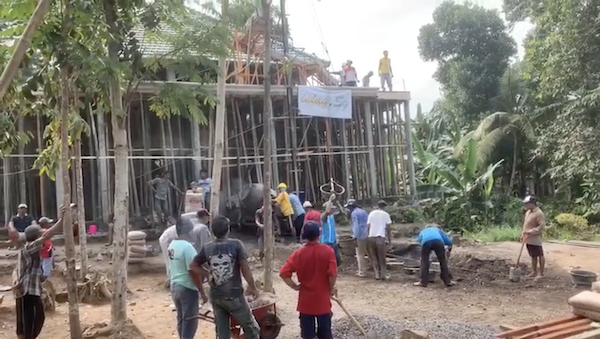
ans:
(338, 30)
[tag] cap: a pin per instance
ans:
(282, 185)
(45, 220)
(311, 231)
(351, 202)
(307, 204)
(73, 205)
(529, 199)
(33, 232)
(381, 203)
(22, 206)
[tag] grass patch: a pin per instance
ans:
(494, 234)
(513, 233)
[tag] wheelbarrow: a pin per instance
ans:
(265, 312)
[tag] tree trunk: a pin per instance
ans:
(513, 170)
(74, 324)
(121, 197)
(269, 241)
(23, 45)
(80, 208)
(220, 121)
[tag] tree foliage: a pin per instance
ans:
(472, 48)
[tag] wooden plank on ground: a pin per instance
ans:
(504, 327)
(557, 328)
(534, 327)
(563, 334)
(594, 334)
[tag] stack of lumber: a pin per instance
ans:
(136, 251)
(568, 327)
(586, 304)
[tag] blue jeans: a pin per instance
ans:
(336, 250)
(315, 326)
(236, 307)
(186, 302)
(47, 266)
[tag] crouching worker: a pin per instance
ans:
(316, 269)
(28, 285)
(432, 238)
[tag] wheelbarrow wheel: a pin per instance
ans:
(270, 326)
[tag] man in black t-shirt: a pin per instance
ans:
(225, 261)
(18, 224)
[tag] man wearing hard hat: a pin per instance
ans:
(287, 211)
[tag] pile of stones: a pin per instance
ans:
(411, 329)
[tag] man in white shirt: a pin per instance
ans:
(200, 234)
(379, 236)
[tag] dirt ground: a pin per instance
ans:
(483, 293)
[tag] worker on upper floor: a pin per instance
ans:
(350, 74)
(385, 71)
(287, 211)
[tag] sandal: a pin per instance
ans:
(419, 284)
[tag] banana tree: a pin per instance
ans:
(462, 182)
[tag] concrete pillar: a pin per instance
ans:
(409, 151)
(372, 168)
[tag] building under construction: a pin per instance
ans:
(369, 154)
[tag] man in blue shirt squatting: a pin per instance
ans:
(360, 232)
(432, 238)
(328, 233)
(186, 287)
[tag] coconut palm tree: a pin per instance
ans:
(510, 126)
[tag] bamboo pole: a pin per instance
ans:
(132, 180)
(215, 193)
(267, 115)
(12, 67)
(42, 182)
(255, 142)
(22, 178)
(147, 163)
(80, 208)
(93, 149)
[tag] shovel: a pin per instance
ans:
(370, 335)
(514, 274)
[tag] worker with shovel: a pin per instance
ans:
(316, 269)
(533, 226)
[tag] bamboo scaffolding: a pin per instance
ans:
(336, 148)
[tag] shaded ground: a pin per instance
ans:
(483, 295)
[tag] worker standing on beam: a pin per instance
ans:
(287, 211)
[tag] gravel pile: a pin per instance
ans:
(389, 329)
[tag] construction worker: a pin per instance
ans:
(350, 75)
(385, 71)
(287, 211)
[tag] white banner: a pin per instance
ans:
(326, 103)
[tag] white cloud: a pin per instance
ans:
(361, 31)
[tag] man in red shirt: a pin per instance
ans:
(311, 213)
(316, 269)
(47, 251)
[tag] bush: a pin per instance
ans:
(404, 214)
(571, 223)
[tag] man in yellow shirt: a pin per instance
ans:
(385, 71)
(287, 211)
